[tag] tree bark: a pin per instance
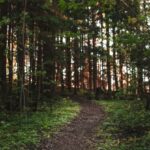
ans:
(108, 57)
(3, 40)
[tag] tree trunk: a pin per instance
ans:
(39, 68)
(68, 71)
(108, 57)
(114, 60)
(3, 32)
(76, 65)
(90, 64)
(121, 70)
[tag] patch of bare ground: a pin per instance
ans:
(80, 133)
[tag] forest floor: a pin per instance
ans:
(24, 131)
(80, 134)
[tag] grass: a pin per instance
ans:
(19, 132)
(127, 126)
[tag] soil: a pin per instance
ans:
(80, 134)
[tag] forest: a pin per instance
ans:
(75, 74)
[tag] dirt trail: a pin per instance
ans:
(80, 133)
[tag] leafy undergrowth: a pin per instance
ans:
(127, 126)
(21, 132)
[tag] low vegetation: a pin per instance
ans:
(21, 131)
(127, 126)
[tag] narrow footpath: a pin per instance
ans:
(80, 133)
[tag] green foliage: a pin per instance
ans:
(92, 2)
(62, 4)
(2, 1)
(82, 92)
(119, 93)
(4, 21)
(21, 131)
(90, 95)
(126, 127)
(129, 39)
